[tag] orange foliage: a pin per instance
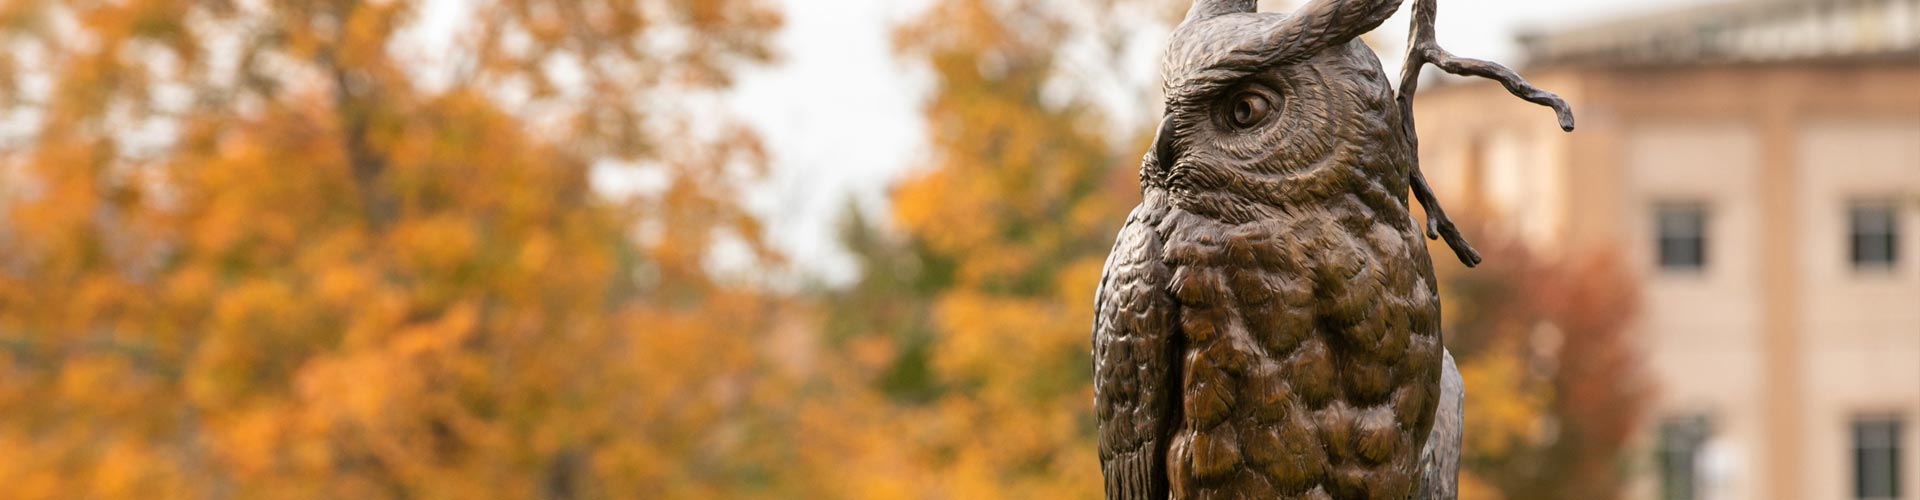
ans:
(1554, 385)
(971, 323)
(247, 253)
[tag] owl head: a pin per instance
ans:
(1270, 114)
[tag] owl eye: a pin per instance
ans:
(1249, 109)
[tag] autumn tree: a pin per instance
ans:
(1555, 389)
(263, 249)
(966, 337)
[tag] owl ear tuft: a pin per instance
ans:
(1300, 34)
(1204, 9)
(1329, 23)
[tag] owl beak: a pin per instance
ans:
(1163, 153)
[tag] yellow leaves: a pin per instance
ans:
(437, 246)
(251, 439)
(535, 253)
(925, 206)
(442, 335)
(366, 32)
(190, 286)
(94, 298)
(1007, 227)
(996, 340)
(1474, 487)
(267, 189)
(370, 319)
(1074, 282)
(131, 470)
(237, 353)
(337, 284)
(373, 390)
(255, 307)
(341, 286)
(872, 354)
(93, 379)
(1506, 411)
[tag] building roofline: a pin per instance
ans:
(1739, 32)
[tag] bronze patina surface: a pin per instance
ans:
(1268, 325)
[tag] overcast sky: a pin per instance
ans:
(841, 114)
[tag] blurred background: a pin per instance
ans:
(847, 249)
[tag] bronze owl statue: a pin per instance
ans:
(1268, 323)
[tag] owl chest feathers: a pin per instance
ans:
(1310, 340)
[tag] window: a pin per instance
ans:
(1682, 237)
(1874, 234)
(1681, 442)
(1876, 458)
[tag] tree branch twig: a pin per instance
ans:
(1422, 49)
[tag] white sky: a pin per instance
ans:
(840, 113)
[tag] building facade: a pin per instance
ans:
(1759, 163)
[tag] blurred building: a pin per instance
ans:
(1759, 163)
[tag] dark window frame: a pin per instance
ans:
(1876, 444)
(1873, 235)
(1682, 237)
(1682, 443)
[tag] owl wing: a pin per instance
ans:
(1136, 360)
(1440, 461)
